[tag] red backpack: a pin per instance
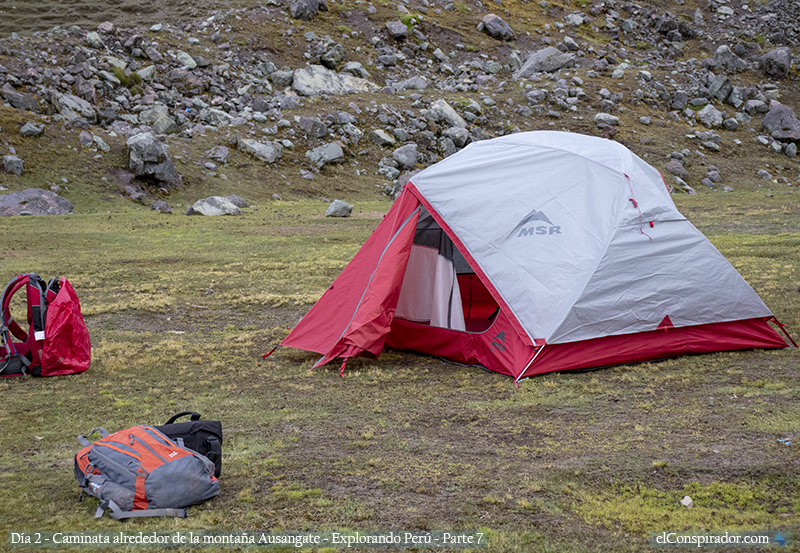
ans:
(57, 341)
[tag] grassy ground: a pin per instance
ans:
(179, 309)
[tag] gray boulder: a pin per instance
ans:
(338, 208)
(724, 57)
(755, 106)
(19, 100)
(710, 117)
(31, 129)
(676, 168)
(148, 157)
(12, 165)
(33, 201)
(606, 119)
(187, 61)
(73, 108)
(213, 206)
(218, 153)
(327, 153)
(313, 126)
(238, 201)
(546, 60)
(306, 10)
(94, 41)
(781, 123)
(413, 83)
(776, 64)
(216, 117)
(315, 80)
(406, 156)
(458, 135)
(333, 57)
(397, 30)
(381, 138)
(282, 79)
(161, 206)
(679, 100)
(440, 110)
(157, 117)
(721, 87)
(356, 69)
(496, 28)
(265, 151)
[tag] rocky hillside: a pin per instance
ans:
(344, 99)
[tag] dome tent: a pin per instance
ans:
(537, 252)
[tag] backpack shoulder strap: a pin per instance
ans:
(7, 322)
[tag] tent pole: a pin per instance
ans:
(516, 380)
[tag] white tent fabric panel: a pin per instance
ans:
(430, 292)
(559, 224)
(537, 235)
(638, 282)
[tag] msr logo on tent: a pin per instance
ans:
(499, 341)
(527, 226)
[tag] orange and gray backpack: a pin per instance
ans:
(139, 472)
(56, 342)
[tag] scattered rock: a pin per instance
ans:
(440, 110)
(781, 123)
(218, 153)
(306, 10)
(213, 206)
(546, 60)
(148, 158)
(33, 201)
(710, 117)
(265, 151)
(381, 138)
(157, 117)
(397, 30)
(12, 165)
(406, 156)
(161, 206)
(687, 502)
(777, 63)
(338, 208)
(676, 168)
(605, 119)
(31, 129)
(238, 201)
(496, 28)
(329, 153)
(315, 80)
(724, 57)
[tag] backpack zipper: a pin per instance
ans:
(145, 444)
(119, 467)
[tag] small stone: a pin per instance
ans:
(338, 208)
(31, 129)
(687, 502)
(604, 119)
(381, 138)
(13, 165)
(397, 29)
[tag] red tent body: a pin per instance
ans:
(484, 312)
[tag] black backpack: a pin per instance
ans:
(204, 437)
